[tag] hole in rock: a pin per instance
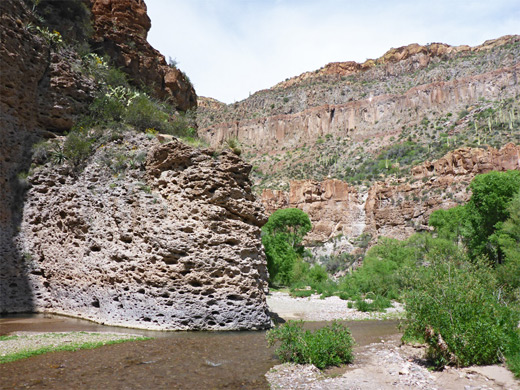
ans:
(195, 283)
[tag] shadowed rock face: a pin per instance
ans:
(70, 243)
(175, 245)
(39, 91)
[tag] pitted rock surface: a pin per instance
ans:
(174, 244)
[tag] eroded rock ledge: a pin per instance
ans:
(391, 208)
(173, 245)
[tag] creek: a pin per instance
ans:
(171, 360)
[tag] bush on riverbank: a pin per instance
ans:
(457, 308)
(325, 347)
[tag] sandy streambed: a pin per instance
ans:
(314, 308)
(382, 364)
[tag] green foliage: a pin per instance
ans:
(301, 293)
(292, 224)
(488, 207)
(389, 161)
(281, 259)
(77, 147)
(281, 237)
(378, 274)
(234, 145)
(71, 346)
(449, 224)
(328, 346)
(379, 303)
(143, 113)
(456, 307)
(507, 238)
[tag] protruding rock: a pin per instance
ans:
(174, 246)
(120, 30)
(390, 208)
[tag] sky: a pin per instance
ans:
(232, 48)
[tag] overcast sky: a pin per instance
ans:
(231, 48)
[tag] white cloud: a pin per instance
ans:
(230, 48)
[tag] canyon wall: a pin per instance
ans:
(169, 243)
(376, 116)
(393, 208)
(120, 30)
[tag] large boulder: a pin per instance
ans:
(173, 245)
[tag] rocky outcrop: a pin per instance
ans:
(41, 85)
(400, 210)
(422, 55)
(377, 116)
(394, 208)
(395, 72)
(333, 206)
(40, 90)
(120, 30)
(174, 245)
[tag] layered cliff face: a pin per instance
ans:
(169, 243)
(120, 30)
(334, 122)
(392, 208)
(334, 207)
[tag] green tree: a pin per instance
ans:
(507, 238)
(292, 223)
(282, 236)
(487, 209)
(449, 224)
(456, 306)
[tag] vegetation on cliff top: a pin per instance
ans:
(117, 105)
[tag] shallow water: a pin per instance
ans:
(172, 360)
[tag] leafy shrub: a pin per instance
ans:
(281, 237)
(105, 110)
(301, 293)
(328, 346)
(77, 147)
(143, 113)
(456, 307)
(281, 259)
(379, 303)
(488, 206)
(234, 145)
